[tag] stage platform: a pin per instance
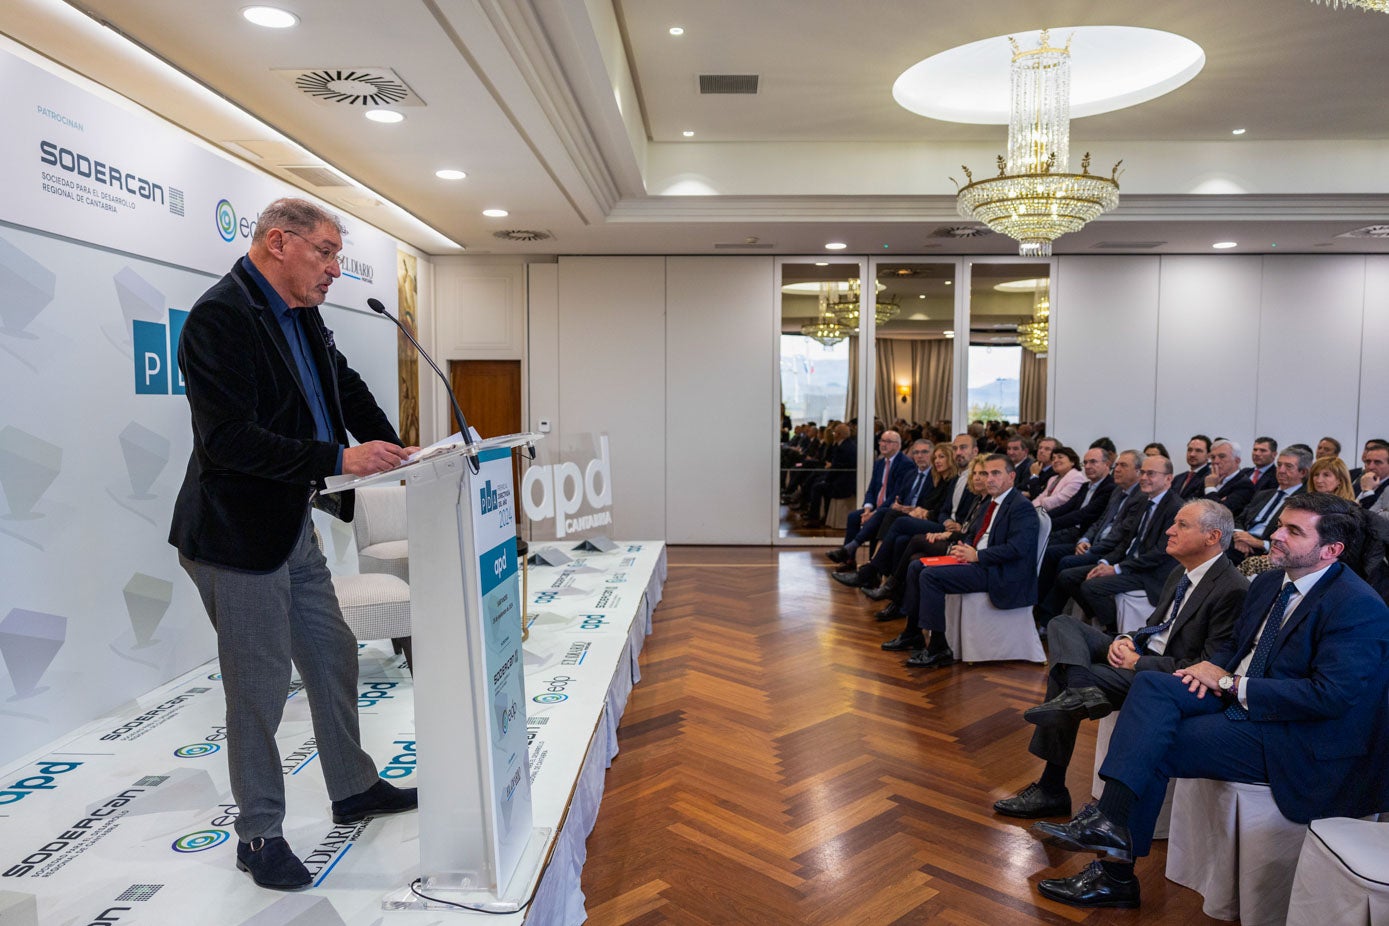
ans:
(129, 820)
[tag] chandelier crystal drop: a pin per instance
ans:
(1378, 6)
(1034, 199)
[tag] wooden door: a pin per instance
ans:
(489, 392)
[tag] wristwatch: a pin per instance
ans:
(1229, 685)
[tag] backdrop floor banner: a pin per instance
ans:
(130, 820)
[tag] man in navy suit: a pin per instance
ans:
(1001, 559)
(1297, 699)
(892, 474)
(1227, 482)
(1192, 483)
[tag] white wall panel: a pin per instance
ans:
(480, 309)
(1309, 347)
(542, 347)
(612, 378)
(1374, 370)
(1103, 357)
(720, 341)
(1207, 358)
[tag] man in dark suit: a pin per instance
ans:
(1227, 482)
(1262, 454)
(842, 462)
(1090, 502)
(1136, 560)
(1374, 475)
(1077, 540)
(1000, 558)
(1296, 699)
(1260, 517)
(1192, 483)
(1041, 471)
(272, 404)
(890, 470)
(1091, 671)
(1019, 451)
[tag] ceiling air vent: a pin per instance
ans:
(961, 231)
(522, 234)
(1369, 231)
(1127, 245)
(318, 176)
(369, 86)
(728, 83)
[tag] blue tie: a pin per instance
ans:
(1141, 636)
(916, 489)
(1259, 663)
(1142, 528)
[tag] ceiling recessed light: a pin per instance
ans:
(1237, 131)
(835, 246)
(922, 296)
(822, 263)
(384, 115)
(269, 17)
(449, 173)
(949, 282)
(950, 334)
(688, 134)
(676, 30)
(495, 213)
(1225, 245)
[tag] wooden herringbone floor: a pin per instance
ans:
(777, 767)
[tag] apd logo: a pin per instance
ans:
(196, 750)
(156, 355)
(199, 841)
(226, 220)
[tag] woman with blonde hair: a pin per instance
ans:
(1330, 475)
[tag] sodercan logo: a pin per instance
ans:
(226, 220)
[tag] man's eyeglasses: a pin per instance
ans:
(329, 256)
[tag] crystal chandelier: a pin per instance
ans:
(1035, 335)
(1038, 201)
(1380, 6)
(827, 328)
(846, 308)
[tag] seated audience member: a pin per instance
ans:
(1065, 483)
(1105, 444)
(1192, 483)
(1136, 560)
(1261, 455)
(1260, 517)
(1088, 504)
(1000, 558)
(1069, 538)
(1091, 671)
(1156, 449)
(1227, 482)
(1329, 474)
(1328, 448)
(916, 484)
(1041, 467)
(1375, 474)
(1298, 698)
(906, 544)
(1359, 471)
(1019, 451)
(842, 462)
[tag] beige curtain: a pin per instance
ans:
(933, 369)
(851, 393)
(886, 405)
(1032, 387)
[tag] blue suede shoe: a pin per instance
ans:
(381, 798)
(272, 865)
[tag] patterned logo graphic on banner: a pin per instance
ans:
(200, 841)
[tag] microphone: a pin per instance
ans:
(376, 306)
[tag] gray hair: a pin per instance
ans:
(297, 215)
(1302, 456)
(1234, 446)
(1213, 516)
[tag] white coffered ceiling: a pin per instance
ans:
(570, 114)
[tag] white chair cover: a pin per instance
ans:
(982, 633)
(1342, 875)
(1134, 610)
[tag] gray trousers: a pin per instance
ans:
(1075, 643)
(263, 620)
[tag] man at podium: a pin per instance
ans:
(273, 401)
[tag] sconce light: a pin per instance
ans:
(905, 391)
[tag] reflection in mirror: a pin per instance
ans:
(1010, 309)
(914, 352)
(818, 474)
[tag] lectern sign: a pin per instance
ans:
(499, 587)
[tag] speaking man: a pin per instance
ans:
(273, 402)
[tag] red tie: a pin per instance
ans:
(882, 489)
(984, 527)
(1254, 476)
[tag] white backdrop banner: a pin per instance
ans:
(102, 252)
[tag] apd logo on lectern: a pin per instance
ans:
(489, 499)
(155, 349)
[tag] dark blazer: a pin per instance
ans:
(1010, 560)
(255, 460)
(1192, 483)
(1035, 484)
(1245, 518)
(927, 485)
(1151, 560)
(902, 465)
(843, 457)
(1022, 474)
(1121, 505)
(1235, 493)
(1323, 698)
(1074, 512)
(1207, 619)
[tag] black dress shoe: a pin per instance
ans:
(890, 613)
(927, 660)
(381, 798)
(882, 592)
(1090, 831)
(838, 555)
(856, 579)
(1092, 887)
(847, 566)
(271, 864)
(1075, 703)
(1032, 802)
(905, 641)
